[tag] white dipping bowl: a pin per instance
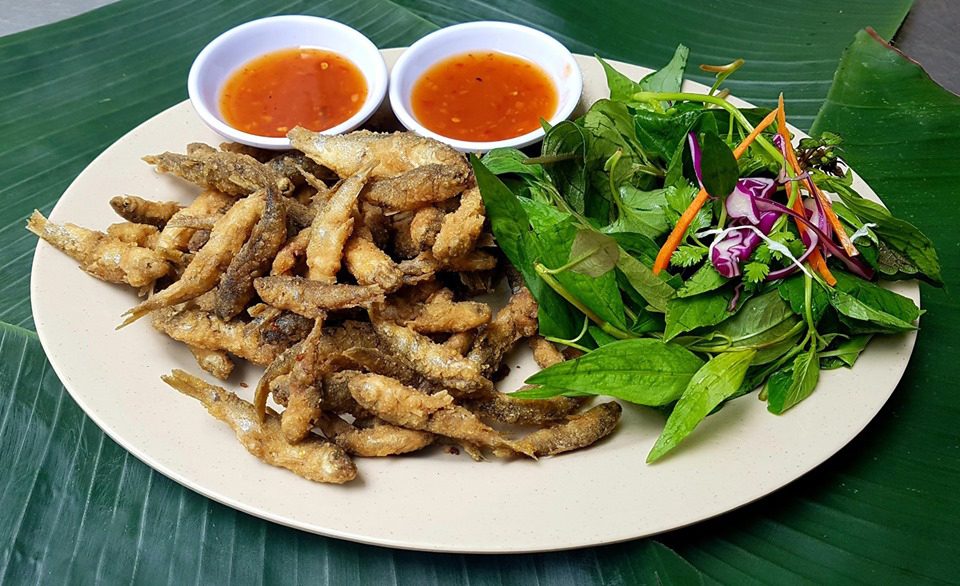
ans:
(239, 45)
(512, 39)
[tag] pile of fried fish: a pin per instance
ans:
(350, 269)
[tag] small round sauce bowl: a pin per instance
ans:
(240, 45)
(486, 36)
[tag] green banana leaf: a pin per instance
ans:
(76, 508)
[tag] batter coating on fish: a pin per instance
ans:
(107, 258)
(206, 330)
(375, 441)
(232, 173)
(461, 228)
(312, 298)
(216, 362)
(441, 314)
(435, 362)
(368, 264)
(425, 226)
(209, 203)
(418, 187)
(407, 407)
(202, 274)
(143, 211)
(313, 459)
(331, 228)
(394, 153)
(144, 235)
(545, 354)
(578, 432)
(517, 319)
(303, 395)
(255, 256)
(287, 257)
(506, 409)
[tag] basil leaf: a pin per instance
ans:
(668, 78)
(599, 336)
(568, 176)
(762, 319)
(511, 228)
(643, 212)
(714, 382)
(638, 245)
(651, 287)
(642, 371)
(864, 301)
(718, 167)
(785, 388)
(845, 353)
(689, 313)
(899, 235)
(508, 160)
(791, 290)
(704, 280)
(593, 253)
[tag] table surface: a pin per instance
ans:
(927, 35)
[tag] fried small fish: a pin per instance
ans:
(579, 431)
(393, 153)
(262, 155)
(545, 354)
(506, 409)
(368, 264)
(461, 228)
(294, 249)
(425, 226)
(104, 257)
(202, 274)
(145, 235)
(143, 211)
(286, 328)
(232, 173)
(303, 393)
(336, 394)
(418, 187)
(216, 362)
(331, 228)
(441, 314)
(407, 407)
(377, 362)
(255, 256)
(460, 341)
(378, 440)
(293, 166)
(313, 298)
(206, 330)
(435, 362)
(517, 319)
(278, 367)
(314, 459)
(401, 238)
(209, 203)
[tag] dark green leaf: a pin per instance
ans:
(704, 280)
(646, 372)
(791, 290)
(718, 166)
(593, 253)
(668, 78)
(864, 301)
(714, 382)
(651, 287)
(689, 313)
(569, 176)
(508, 160)
(757, 318)
(787, 387)
(637, 245)
(642, 212)
(845, 353)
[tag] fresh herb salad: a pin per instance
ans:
(692, 251)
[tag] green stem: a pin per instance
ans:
(549, 159)
(553, 283)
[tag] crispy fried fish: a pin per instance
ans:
(303, 393)
(579, 431)
(425, 226)
(143, 211)
(294, 249)
(407, 407)
(460, 341)
(378, 440)
(312, 298)
(435, 362)
(206, 330)
(441, 314)
(393, 153)
(226, 239)
(331, 228)
(461, 228)
(216, 362)
(144, 235)
(544, 352)
(104, 257)
(418, 187)
(368, 264)
(209, 203)
(314, 459)
(518, 319)
(506, 409)
(232, 173)
(255, 256)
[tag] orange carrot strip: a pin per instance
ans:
(815, 259)
(676, 236)
(824, 200)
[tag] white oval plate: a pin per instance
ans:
(434, 501)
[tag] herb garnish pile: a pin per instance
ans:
(694, 254)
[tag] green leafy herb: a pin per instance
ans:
(689, 313)
(688, 255)
(791, 290)
(593, 253)
(705, 279)
(864, 301)
(569, 175)
(785, 388)
(718, 166)
(845, 353)
(654, 289)
(714, 382)
(643, 371)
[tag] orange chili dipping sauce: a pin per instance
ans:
(483, 96)
(312, 88)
